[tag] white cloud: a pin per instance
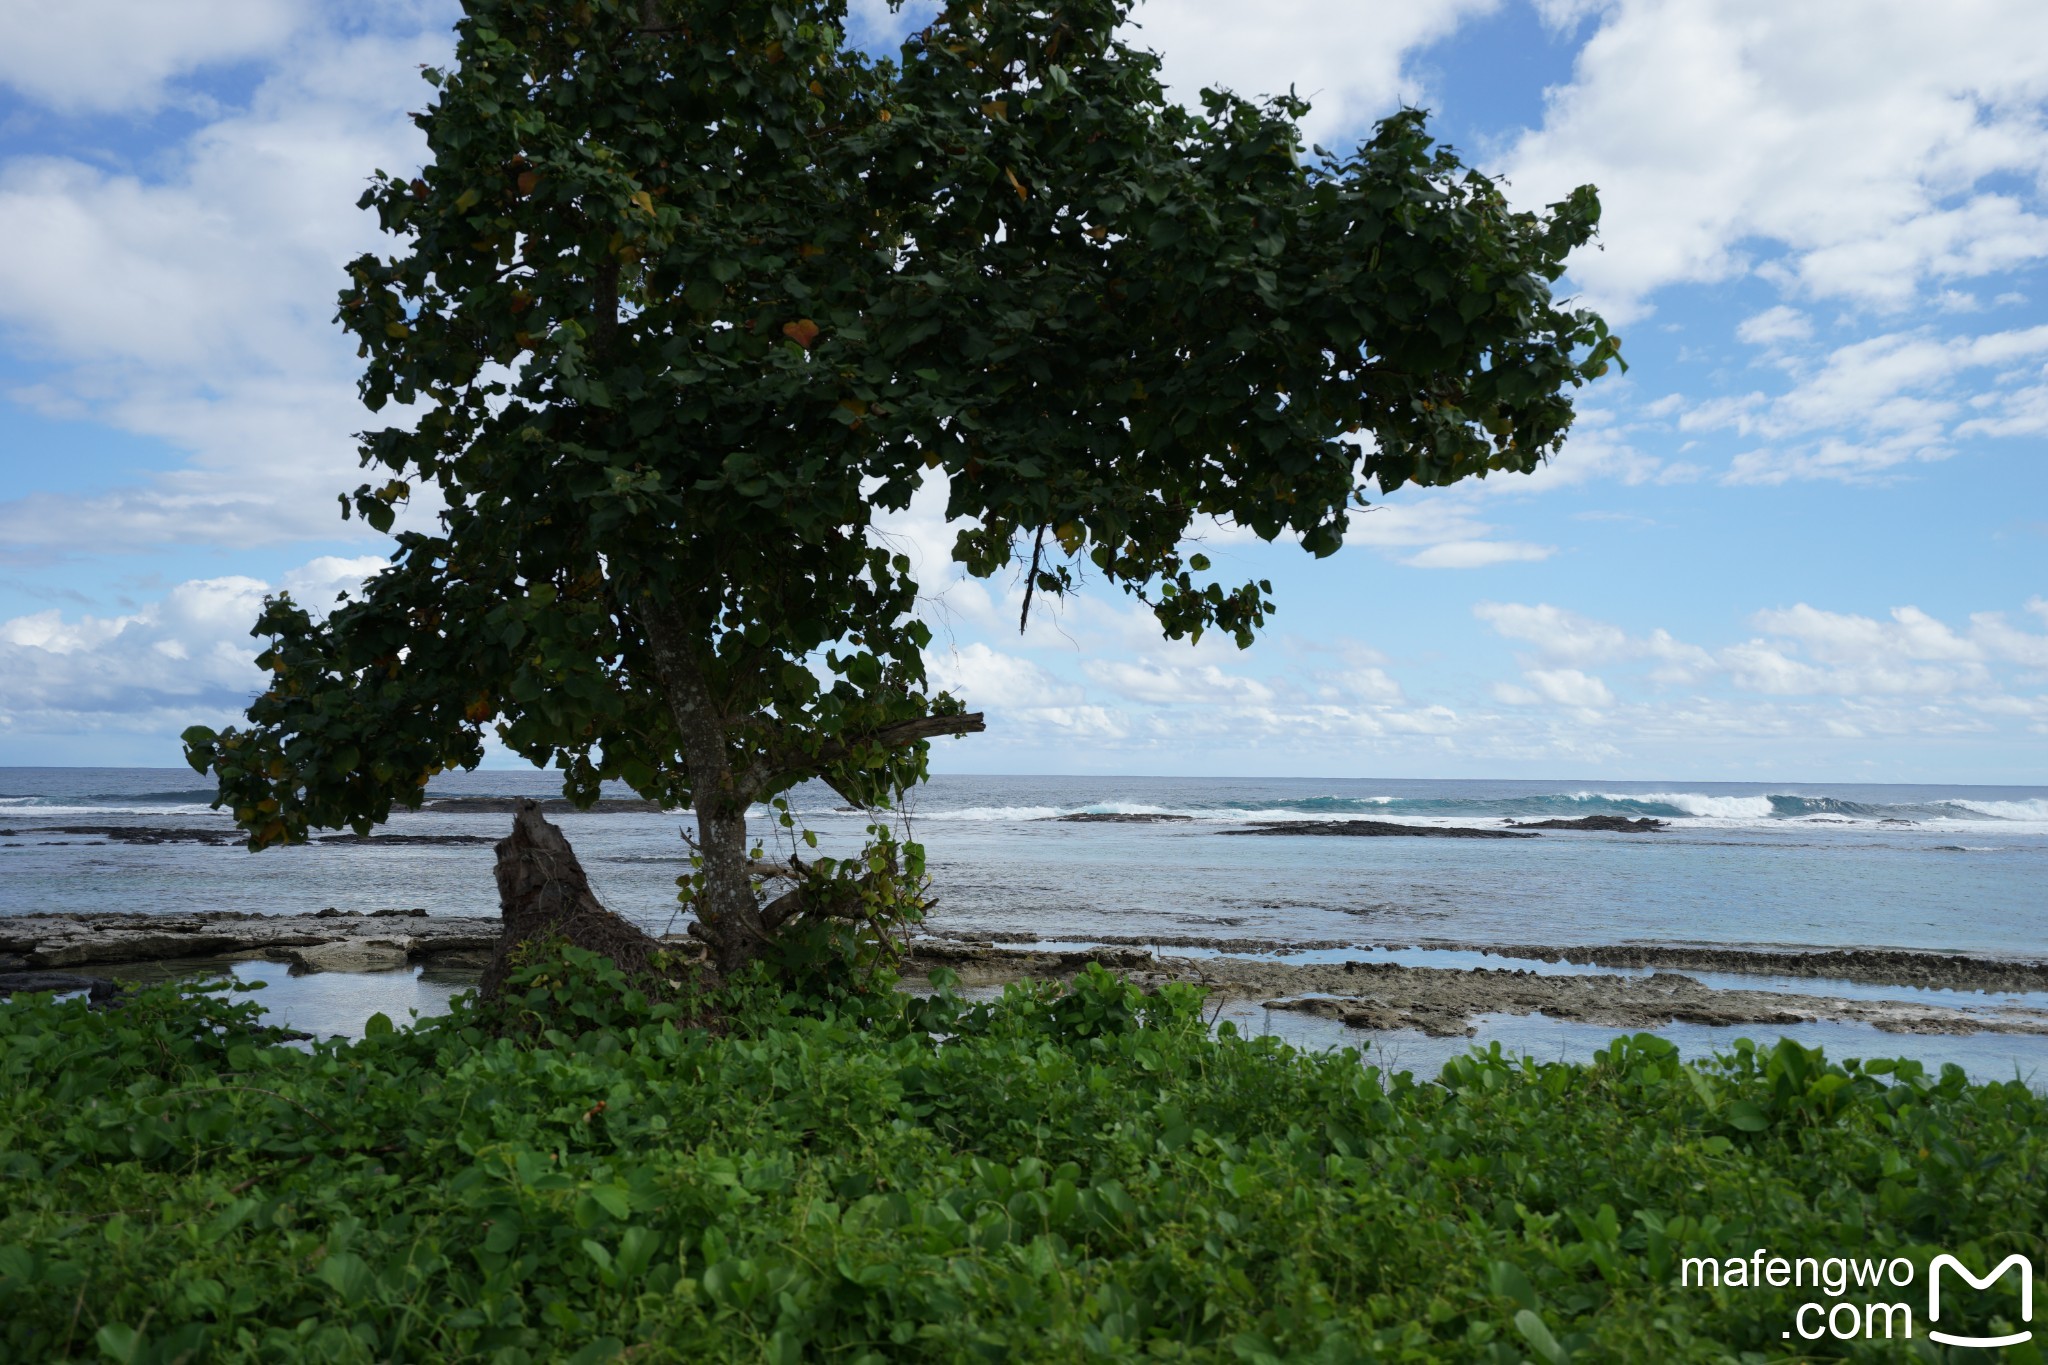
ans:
(1348, 56)
(1558, 686)
(2002, 641)
(1557, 633)
(1863, 140)
(186, 657)
(1802, 651)
(1774, 325)
(1477, 554)
(187, 654)
(1758, 666)
(981, 676)
(193, 304)
(1839, 638)
(1186, 685)
(315, 584)
(1561, 636)
(1884, 401)
(100, 56)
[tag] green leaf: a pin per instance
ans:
(1746, 1116)
(1507, 1280)
(347, 1275)
(118, 1341)
(1538, 1336)
(377, 1025)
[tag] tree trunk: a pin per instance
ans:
(543, 893)
(730, 918)
(728, 912)
(728, 915)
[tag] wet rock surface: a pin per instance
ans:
(130, 834)
(1612, 824)
(97, 989)
(219, 838)
(332, 940)
(1376, 829)
(1878, 966)
(1443, 1001)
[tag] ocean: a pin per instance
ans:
(1763, 865)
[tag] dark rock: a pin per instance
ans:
(1612, 824)
(146, 834)
(1376, 829)
(98, 990)
(1113, 818)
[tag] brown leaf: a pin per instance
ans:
(803, 332)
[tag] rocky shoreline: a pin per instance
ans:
(328, 941)
(218, 838)
(43, 951)
(1442, 1001)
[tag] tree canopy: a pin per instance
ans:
(691, 289)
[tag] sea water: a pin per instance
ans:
(1769, 865)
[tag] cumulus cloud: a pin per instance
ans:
(1556, 633)
(191, 300)
(103, 56)
(1348, 56)
(1561, 636)
(1842, 638)
(188, 654)
(2003, 641)
(1477, 554)
(1861, 152)
(1774, 325)
(185, 658)
(1558, 686)
(1810, 684)
(1800, 651)
(982, 676)
(1884, 401)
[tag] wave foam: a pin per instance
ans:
(2031, 811)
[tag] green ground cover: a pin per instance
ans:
(1072, 1175)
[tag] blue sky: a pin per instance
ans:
(1805, 538)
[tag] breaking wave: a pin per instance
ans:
(1763, 809)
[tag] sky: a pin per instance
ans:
(1805, 537)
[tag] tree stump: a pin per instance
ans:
(543, 893)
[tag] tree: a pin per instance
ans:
(690, 289)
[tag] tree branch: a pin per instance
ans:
(1031, 580)
(770, 768)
